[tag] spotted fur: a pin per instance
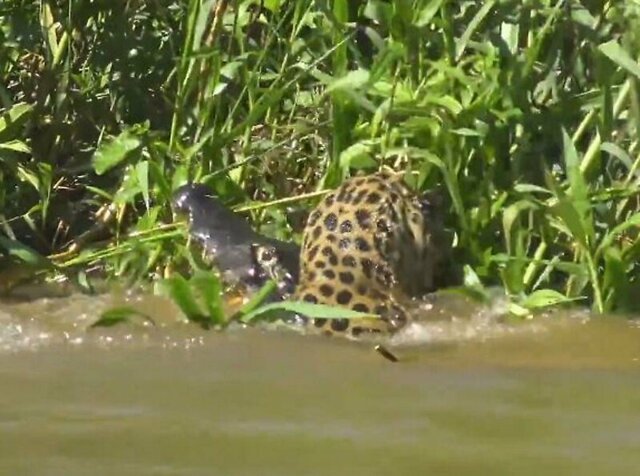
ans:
(366, 246)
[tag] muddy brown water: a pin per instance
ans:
(472, 395)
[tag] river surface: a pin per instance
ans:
(472, 395)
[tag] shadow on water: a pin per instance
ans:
(473, 395)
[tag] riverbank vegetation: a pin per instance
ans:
(524, 113)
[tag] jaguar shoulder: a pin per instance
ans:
(368, 246)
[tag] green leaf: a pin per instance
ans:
(573, 209)
(466, 132)
(357, 156)
(518, 311)
(447, 102)
(15, 146)
(570, 217)
(618, 152)
(12, 121)
(618, 291)
(425, 15)
(272, 5)
(130, 187)
(632, 222)
(531, 188)
(309, 310)
(353, 80)
(83, 283)
(510, 34)
(475, 293)
(544, 298)
(471, 278)
(180, 291)
(230, 70)
(379, 11)
(24, 253)
(118, 315)
(577, 185)
(111, 153)
(461, 44)
(513, 273)
(265, 291)
(509, 216)
(210, 289)
(615, 52)
(142, 172)
(47, 23)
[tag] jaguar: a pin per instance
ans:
(369, 246)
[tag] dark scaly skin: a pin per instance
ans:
(228, 239)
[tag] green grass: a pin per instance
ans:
(526, 112)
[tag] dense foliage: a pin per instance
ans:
(526, 113)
